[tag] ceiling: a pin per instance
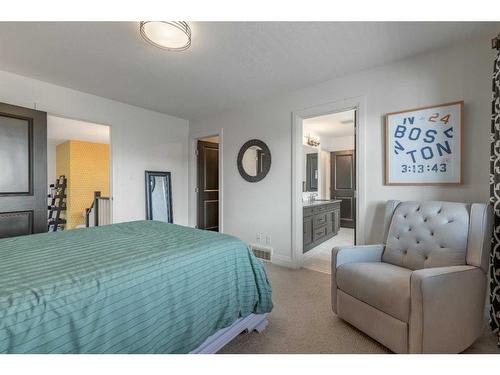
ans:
(228, 65)
(61, 129)
(339, 124)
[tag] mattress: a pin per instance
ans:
(138, 287)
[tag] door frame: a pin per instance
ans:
(111, 165)
(358, 104)
(193, 169)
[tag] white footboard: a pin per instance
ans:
(253, 322)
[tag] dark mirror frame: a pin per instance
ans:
(149, 208)
(266, 165)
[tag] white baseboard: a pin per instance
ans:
(283, 261)
(314, 251)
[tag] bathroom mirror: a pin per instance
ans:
(254, 160)
(311, 169)
(159, 196)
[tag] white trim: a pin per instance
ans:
(192, 214)
(253, 322)
(357, 103)
(314, 251)
(283, 261)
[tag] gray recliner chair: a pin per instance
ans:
(424, 289)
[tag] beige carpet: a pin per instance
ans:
(302, 321)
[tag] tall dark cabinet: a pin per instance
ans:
(23, 171)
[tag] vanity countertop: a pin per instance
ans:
(319, 202)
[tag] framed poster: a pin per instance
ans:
(423, 146)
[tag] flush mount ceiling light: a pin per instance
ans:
(167, 35)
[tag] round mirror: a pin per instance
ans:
(254, 160)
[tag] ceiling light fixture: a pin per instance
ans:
(167, 35)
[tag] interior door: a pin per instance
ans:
(343, 185)
(23, 171)
(208, 186)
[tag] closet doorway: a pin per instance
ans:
(207, 187)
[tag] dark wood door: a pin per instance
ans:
(23, 171)
(312, 172)
(208, 186)
(343, 185)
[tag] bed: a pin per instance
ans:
(138, 287)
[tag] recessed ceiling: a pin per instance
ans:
(228, 64)
(339, 124)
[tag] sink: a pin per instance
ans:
(316, 202)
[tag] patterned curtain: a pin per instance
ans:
(495, 197)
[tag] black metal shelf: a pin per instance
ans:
(57, 205)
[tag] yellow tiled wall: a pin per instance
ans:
(86, 166)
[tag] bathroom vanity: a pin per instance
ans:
(321, 222)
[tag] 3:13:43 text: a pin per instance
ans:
(421, 168)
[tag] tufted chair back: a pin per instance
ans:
(436, 234)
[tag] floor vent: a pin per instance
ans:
(262, 252)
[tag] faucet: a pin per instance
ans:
(313, 196)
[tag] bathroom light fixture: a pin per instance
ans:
(167, 35)
(312, 141)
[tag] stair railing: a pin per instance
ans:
(99, 212)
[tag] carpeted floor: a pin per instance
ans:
(302, 321)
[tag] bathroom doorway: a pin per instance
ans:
(328, 178)
(330, 186)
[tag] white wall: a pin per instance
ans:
(459, 72)
(338, 143)
(140, 140)
(324, 174)
(60, 130)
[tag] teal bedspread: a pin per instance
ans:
(139, 287)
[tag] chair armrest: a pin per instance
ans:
(352, 254)
(356, 254)
(447, 308)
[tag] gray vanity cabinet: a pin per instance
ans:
(321, 222)
(308, 231)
